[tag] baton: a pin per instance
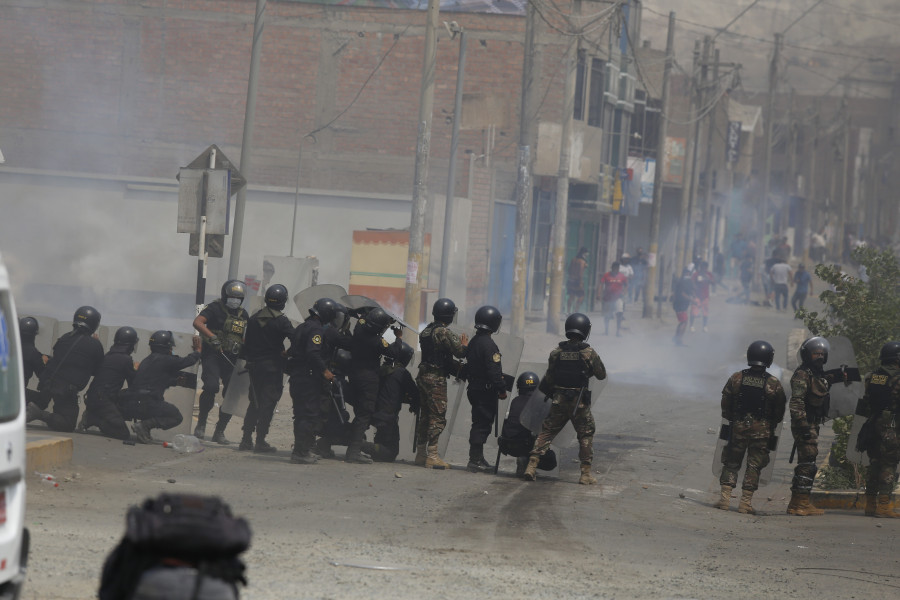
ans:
(793, 451)
(577, 402)
(337, 407)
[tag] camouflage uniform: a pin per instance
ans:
(754, 402)
(881, 402)
(808, 405)
(579, 355)
(431, 380)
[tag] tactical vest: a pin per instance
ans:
(817, 397)
(570, 369)
(751, 398)
(880, 398)
(232, 332)
(431, 353)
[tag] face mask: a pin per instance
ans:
(233, 303)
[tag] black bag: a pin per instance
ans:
(196, 531)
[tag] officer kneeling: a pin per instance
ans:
(144, 401)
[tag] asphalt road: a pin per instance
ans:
(648, 530)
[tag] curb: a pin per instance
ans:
(844, 500)
(48, 453)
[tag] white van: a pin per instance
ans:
(13, 535)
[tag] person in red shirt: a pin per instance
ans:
(702, 279)
(612, 290)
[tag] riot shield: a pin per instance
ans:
(765, 476)
(183, 398)
(567, 437)
(844, 396)
(305, 299)
(511, 352)
(237, 396)
(356, 302)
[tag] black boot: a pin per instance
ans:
(355, 455)
(262, 447)
(323, 448)
(246, 442)
(477, 463)
(219, 434)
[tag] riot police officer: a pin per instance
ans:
(439, 347)
(337, 428)
(264, 352)
(144, 401)
(100, 402)
(753, 402)
(880, 405)
(310, 380)
(76, 358)
(367, 346)
(33, 360)
(397, 388)
(570, 367)
(222, 325)
(486, 386)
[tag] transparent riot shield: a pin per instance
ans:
(538, 407)
(305, 299)
(237, 396)
(457, 433)
(355, 301)
(567, 438)
(182, 397)
(765, 476)
(844, 396)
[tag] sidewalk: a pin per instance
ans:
(45, 451)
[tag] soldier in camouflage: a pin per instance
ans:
(570, 368)
(753, 402)
(880, 405)
(439, 347)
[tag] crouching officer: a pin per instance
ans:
(76, 358)
(397, 388)
(33, 360)
(264, 352)
(880, 404)
(570, 368)
(144, 400)
(753, 401)
(100, 402)
(516, 439)
(486, 385)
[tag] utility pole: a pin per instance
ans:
(810, 189)
(451, 171)
(767, 147)
(707, 224)
(695, 175)
(237, 233)
(790, 176)
(656, 210)
(557, 269)
(524, 191)
(683, 216)
(845, 185)
(414, 270)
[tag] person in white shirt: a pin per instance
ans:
(781, 277)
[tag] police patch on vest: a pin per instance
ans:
(570, 356)
(753, 381)
(496, 357)
(880, 379)
(317, 339)
(384, 342)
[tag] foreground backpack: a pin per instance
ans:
(177, 546)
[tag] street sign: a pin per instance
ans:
(222, 163)
(191, 189)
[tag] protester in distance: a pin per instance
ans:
(682, 299)
(613, 286)
(703, 281)
(627, 270)
(802, 287)
(575, 280)
(781, 276)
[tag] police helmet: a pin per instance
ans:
(527, 381)
(406, 353)
(890, 353)
(233, 289)
(28, 327)
(325, 309)
(488, 318)
(444, 310)
(578, 326)
(125, 336)
(811, 345)
(86, 318)
(760, 354)
(276, 296)
(162, 341)
(376, 320)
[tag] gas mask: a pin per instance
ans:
(233, 303)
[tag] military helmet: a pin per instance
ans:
(810, 346)
(325, 309)
(527, 381)
(162, 341)
(233, 289)
(376, 320)
(125, 336)
(444, 310)
(276, 296)
(760, 354)
(406, 353)
(488, 318)
(578, 326)
(28, 327)
(86, 318)
(890, 352)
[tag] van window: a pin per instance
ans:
(9, 359)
